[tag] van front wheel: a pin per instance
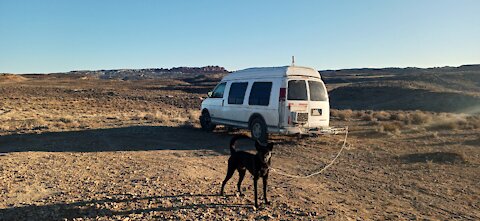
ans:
(258, 129)
(206, 121)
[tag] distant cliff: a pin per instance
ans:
(149, 73)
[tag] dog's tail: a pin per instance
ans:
(233, 141)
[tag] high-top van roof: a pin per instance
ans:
(272, 72)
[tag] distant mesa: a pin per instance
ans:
(149, 73)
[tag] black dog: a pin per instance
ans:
(258, 165)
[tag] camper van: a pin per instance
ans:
(286, 100)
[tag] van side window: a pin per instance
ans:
(237, 93)
(297, 90)
(260, 93)
(218, 92)
(317, 92)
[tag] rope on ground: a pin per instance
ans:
(277, 171)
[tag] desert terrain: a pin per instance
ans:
(82, 146)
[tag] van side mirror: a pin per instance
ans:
(210, 93)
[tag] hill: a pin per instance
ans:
(6, 78)
(446, 89)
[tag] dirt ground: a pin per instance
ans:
(132, 150)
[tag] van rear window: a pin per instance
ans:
(297, 90)
(317, 91)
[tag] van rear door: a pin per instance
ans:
(297, 103)
(307, 103)
(319, 107)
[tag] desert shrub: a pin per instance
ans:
(448, 121)
(67, 122)
(358, 114)
(446, 125)
(150, 117)
(158, 116)
(112, 117)
(73, 124)
(26, 124)
(187, 124)
(367, 117)
(345, 114)
(342, 114)
(399, 116)
(419, 118)
(193, 116)
(66, 119)
(389, 127)
(138, 116)
(473, 121)
(382, 115)
(334, 113)
(34, 124)
(4, 128)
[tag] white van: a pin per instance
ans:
(287, 100)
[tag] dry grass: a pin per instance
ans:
(445, 125)
(473, 121)
(395, 121)
(367, 117)
(419, 118)
(63, 109)
(382, 115)
(343, 115)
(22, 125)
(187, 118)
(390, 127)
(399, 116)
(445, 121)
(155, 117)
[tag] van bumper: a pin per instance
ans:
(311, 131)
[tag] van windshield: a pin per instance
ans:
(317, 91)
(297, 90)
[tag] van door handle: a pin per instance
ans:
(223, 102)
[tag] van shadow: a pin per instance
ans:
(101, 207)
(134, 138)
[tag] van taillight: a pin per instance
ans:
(282, 95)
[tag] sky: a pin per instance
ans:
(63, 35)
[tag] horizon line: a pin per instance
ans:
(329, 69)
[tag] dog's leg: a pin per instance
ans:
(230, 172)
(241, 173)
(265, 178)
(255, 179)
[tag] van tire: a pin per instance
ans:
(258, 129)
(206, 121)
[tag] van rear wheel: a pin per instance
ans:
(206, 121)
(258, 129)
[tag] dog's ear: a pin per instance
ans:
(262, 148)
(270, 146)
